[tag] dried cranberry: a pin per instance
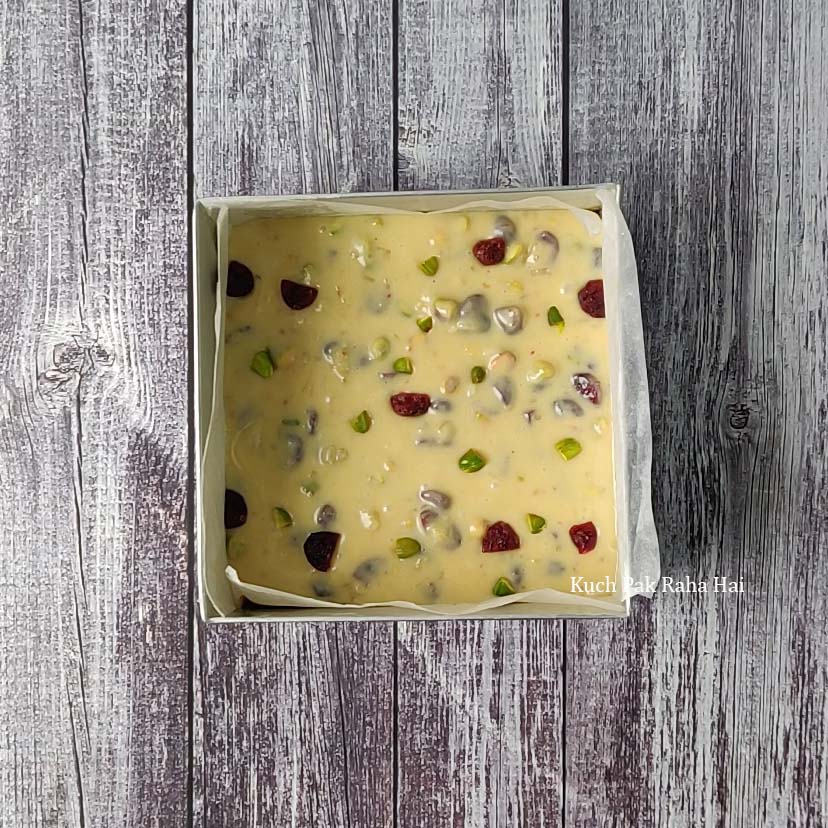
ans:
(490, 251)
(239, 279)
(235, 510)
(320, 548)
(298, 296)
(584, 536)
(587, 385)
(408, 404)
(591, 298)
(500, 537)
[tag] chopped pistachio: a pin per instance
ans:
(290, 421)
(430, 266)
(445, 309)
(535, 522)
(334, 229)
(403, 365)
(379, 348)
(309, 488)
(502, 588)
(568, 448)
(282, 518)
(362, 422)
(407, 548)
(553, 316)
(478, 374)
(425, 324)
(262, 364)
(512, 252)
(540, 370)
(471, 461)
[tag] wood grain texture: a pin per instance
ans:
(480, 715)
(711, 709)
(479, 93)
(93, 429)
(296, 724)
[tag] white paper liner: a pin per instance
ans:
(638, 553)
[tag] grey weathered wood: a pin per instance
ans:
(297, 724)
(479, 93)
(93, 430)
(701, 710)
(711, 709)
(479, 703)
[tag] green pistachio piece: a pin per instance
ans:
(380, 348)
(512, 252)
(425, 324)
(362, 422)
(282, 518)
(445, 309)
(309, 488)
(290, 421)
(568, 448)
(407, 548)
(262, 364)
(403, 366)
(478, 374)
(471, 461)
(536, 523)
(503, 587)
(430, 266)
(553, 316)
(540, 370)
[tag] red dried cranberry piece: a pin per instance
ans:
(500, 537)
(584, 536)
(320, 548)
(408, 404)
(298, 296)
(490, 251)
(587, 385)
(591, 298)
(235, 510)
(240, 280)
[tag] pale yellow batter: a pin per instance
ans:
(313, 443)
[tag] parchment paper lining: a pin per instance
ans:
(638, 552)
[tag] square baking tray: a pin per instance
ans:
(216, 598)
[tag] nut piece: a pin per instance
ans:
(449, 385)
(325, 515)
(440, 500)
(568, 408)
(505, 228)
(509, 319)
(503, 389)
(503, 361)
(474, 314)
(445, 309)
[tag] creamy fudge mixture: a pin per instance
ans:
(417, 406)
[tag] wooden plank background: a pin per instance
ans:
(119, 707)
